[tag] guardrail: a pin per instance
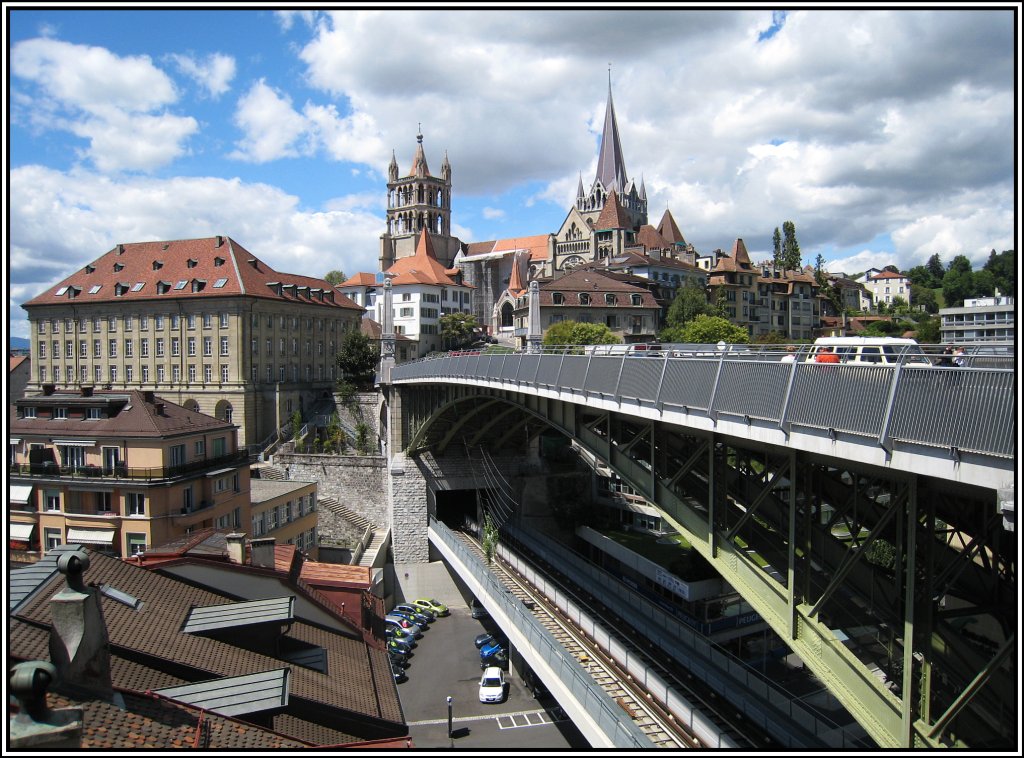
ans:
(91, 472)
(595, 701)
(962, 409)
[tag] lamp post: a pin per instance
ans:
(449, 717)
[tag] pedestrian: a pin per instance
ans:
(826, 355)
(946, 359)
(959, 359)
(790, 355)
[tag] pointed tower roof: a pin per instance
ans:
(515, 282)
(643, 188)
(611, 169)
(419, 161)
(669, 230)
(421, 268)
(579, 188)
(613, 215)
(739, 252)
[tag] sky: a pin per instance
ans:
(884, 135)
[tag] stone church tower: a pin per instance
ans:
(416, 202)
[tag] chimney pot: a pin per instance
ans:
(220, 240)
(262, 552)
(236, 548)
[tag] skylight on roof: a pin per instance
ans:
(220, 283)
(138, 286)
(181, 285)
(94, 289)
(62, 290)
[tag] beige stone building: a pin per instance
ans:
(203, 322)
(118, 471)
(286, 511)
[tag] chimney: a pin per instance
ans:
(220, 241)
(254, 263)
(35, 726)
(120, 249)
(87, 390)
(48, 389)
(148, 395)
(262, 552)
(79, 646)
(158, 409)
(236, 548)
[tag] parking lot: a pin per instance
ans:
(446, 663)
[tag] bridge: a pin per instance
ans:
(864, 511)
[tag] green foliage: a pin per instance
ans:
(335, 276)
(777, 249)
(457, 329)
(296, 420)
(577, 333)
(708, 329)
(357, 358)
(958, 283)
(346, 391)
(363, 438)
(489, 543)
(1003, 267)
(936, 269)
(334, 436)
(924, 298)
(690, 301)
(928, 330)
(882, 329)
(790, 247)
(771, 338)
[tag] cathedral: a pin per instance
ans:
(606, 226)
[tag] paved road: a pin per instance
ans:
(444, 663)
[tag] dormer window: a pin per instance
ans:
(90, 268)
(192, 263)
(118, 267)
(120, 288)
(198, 285)
(584, 298)
(162, 288)
(557, 298)
(157, 265)
(609, 299)
(637, 300)
(218, 262)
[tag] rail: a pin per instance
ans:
(120, 472)
(961, 409)
(605, 711)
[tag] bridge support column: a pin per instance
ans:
(407, 505)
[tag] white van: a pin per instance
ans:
(884, 350)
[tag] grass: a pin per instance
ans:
(648, 546)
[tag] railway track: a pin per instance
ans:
(662, 728)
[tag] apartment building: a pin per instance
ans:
(981, 319)
(885, 287)
(787, 302)
(286, 511)
(203, 322)
(118, 471)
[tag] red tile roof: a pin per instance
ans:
(651, 238)
(421, 268)
(669, 230)
(362, 279)
(887, 275)
(357, 696)
(138, 271)
(613, 215)
(597, 284)
(16, 360)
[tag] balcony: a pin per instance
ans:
(121, 472)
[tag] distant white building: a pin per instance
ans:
(884, 286)
(983, 319)
(423, 290)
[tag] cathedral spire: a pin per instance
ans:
(611, 169)
(419, 161)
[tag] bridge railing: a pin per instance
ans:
(963, 409)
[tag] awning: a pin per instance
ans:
(75, 443)
(19, 493)
(91, 536)
(21, 532)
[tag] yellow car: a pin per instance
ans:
(436, 606)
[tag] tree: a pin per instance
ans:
(457, 329)
(924, 298)
(489, 543)
(708, 329)
(335, 276)
(958, 283)
(936, 269)
(577, 333)
(928, 330)
(983, 284)
(891, 269)
(691, 301)
(1003, 267)
(777, 248)
(790, 247)
(357, 358)
(922, 277)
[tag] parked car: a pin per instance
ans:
(417, 617)
(399, 647)
(491, 649)
(497, 658)
(403, 623)
(435, 605)
(479, 612)
(397, 659)
(400, 634)
(398, 673)
(410, 608)
(492, 685)
(487, 638)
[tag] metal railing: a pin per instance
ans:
(622, 732)
(963, 409)
(92, 472)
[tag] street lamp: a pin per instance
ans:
(449, 717)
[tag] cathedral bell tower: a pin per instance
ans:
(416, 202)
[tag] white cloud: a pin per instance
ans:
(493, 213)
(213, 74)
(119, 141)
(76, 217)
(273, 129)
(92, 78)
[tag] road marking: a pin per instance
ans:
(559, 716)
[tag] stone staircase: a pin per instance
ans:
(379, 535)
(276, 473)
(334, 506)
